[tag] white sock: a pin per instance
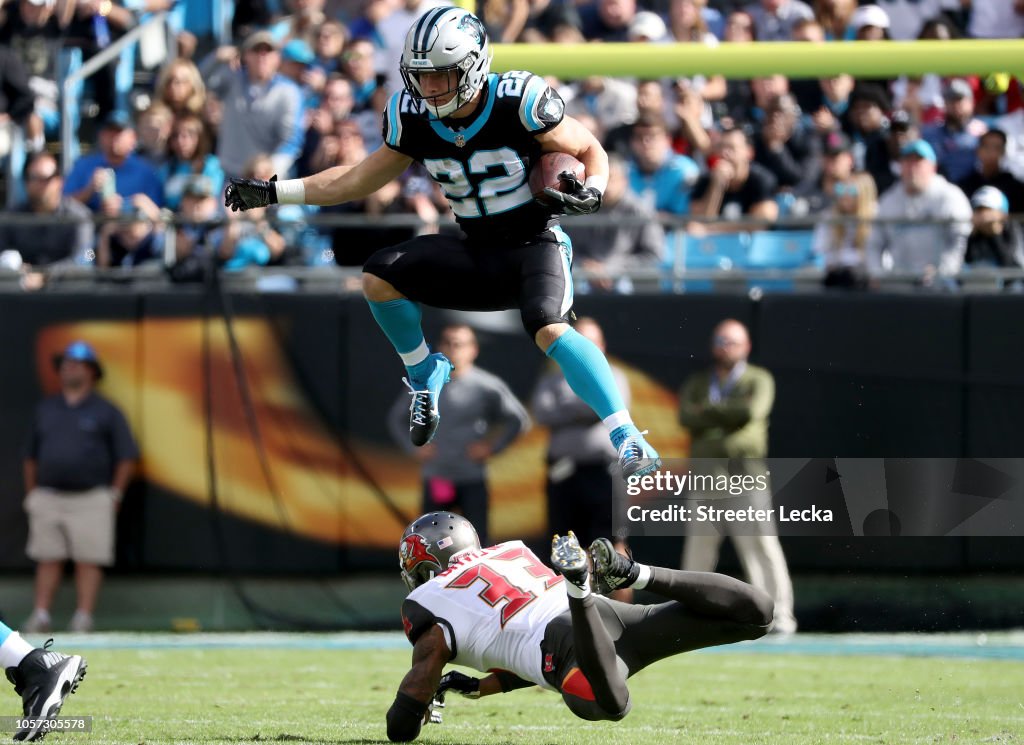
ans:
(13, 651)
(643, 578)
(416, 356)
(616, 420)
(577, 592)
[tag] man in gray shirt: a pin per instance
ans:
(482, 418)
(262, 109)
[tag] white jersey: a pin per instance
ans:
(494, 606)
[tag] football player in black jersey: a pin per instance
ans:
(477, 133)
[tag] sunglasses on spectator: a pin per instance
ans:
(724, 341)
(41, 176)
(845, 190)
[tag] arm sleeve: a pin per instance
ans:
(511, 681)
(405, 718)
(416, 620)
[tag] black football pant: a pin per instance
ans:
(600, 642)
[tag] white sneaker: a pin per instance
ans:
(81, 622)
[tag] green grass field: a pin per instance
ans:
(339, 695)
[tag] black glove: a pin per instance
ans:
(580, 200)
(247, 193)
(462, 684)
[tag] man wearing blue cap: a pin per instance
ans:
(937, 219)
(114, 176)
(79, 459)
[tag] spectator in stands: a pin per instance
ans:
(33, 32)
(181, 87)
(79, 459)
(482, 418)
(692, 112)
(136, 239)
(580, 484)
(297, 60)
(988, 171)
(104, 180)
(250, 238)
(189, 156)
(335, 106)
(607, 20)
(868, 128)
(609, 250)
(739, 29)
(791, 155)
(842, 238)
(67, 234)
(735, 186)
(357, 67)
(836, 18)
(836, 167)
(504, 19)
(16, 104)
(305, 19)
(262, 111)
(328, 48)
(196, 238)
(956, 139)
(996, 19)
(650, 100)
(661, 178)
(1012, 125)
(871, 23)
(609, 100)
(154, 131)
(95, 24)
(832, 110)
(932, 242)
(774, 19)
(994, 239)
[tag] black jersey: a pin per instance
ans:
(482, 162)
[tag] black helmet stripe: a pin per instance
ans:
(423, 30)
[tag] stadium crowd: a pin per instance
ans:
(304, 87)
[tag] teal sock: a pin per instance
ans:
(4, 633)
(588, 374)
(400, 322)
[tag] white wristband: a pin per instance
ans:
(291, 191)
(599, 182)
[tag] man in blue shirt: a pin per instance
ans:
(104, 181)
(662, 178)
(956, 139)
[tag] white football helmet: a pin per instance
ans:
(446, 40)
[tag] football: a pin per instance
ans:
(545, 172)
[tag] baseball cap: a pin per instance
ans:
(991, 197)
(919, 149)
(647, 25)
(869, 15)
(957, 88)
(118, 120)
(836, 143)
(260, 37)
(81, 352)
(198, 186)
(297, 50)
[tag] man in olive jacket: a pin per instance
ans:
(726, 411)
